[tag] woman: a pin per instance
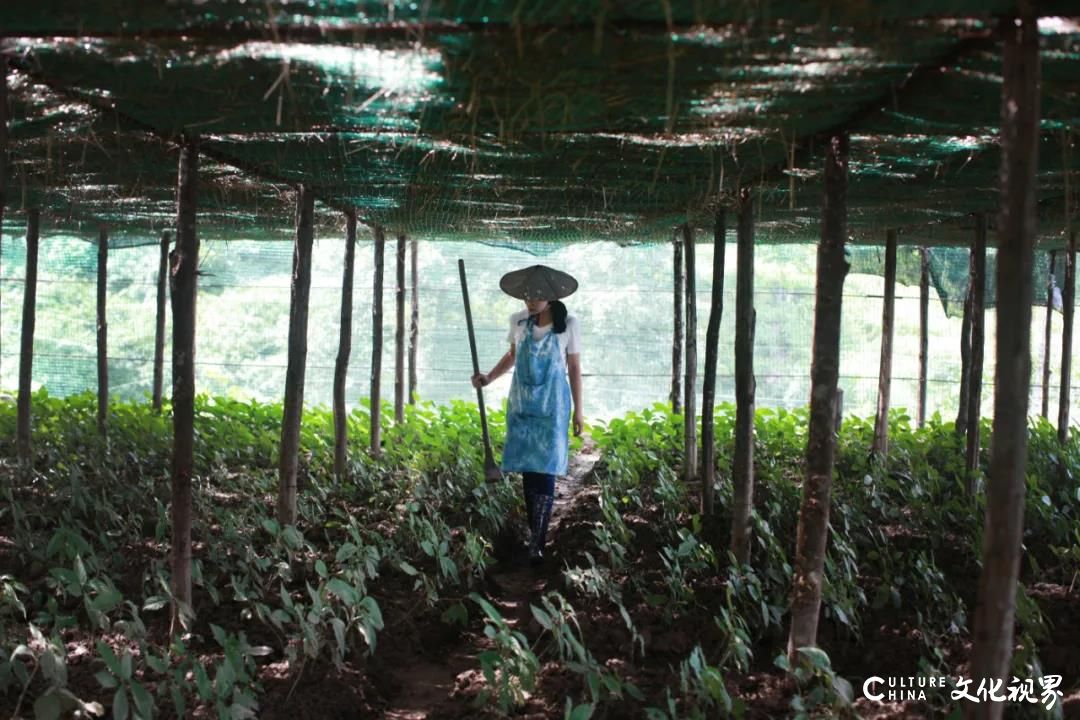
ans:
(545, 346)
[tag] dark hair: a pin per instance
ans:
(558, 316)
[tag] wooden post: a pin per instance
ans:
(838, 410)
(690, 454)
(3, 160)
(399, 335)
(924, 323)
(708, 388)
(26, 351)
(880, 445)
(183, 287)
(1047, 338)
(102, 333)
(1003, 528)
(293, 409)
(677, 338)
(341, 367)
(745, 384)
(824, 370)
(978, 317)
(1068, 301)
(414, 323)
(965, 357)
(376, 342)
(159, 326)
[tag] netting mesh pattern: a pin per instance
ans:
(624, 304)
(582, 131)
(527, 121)
(132, 16)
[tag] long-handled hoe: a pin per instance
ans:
(491, 470)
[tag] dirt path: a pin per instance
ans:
(518, 582)
(428, 682)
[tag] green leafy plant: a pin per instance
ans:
(509, 667)
(48, 657)
(131, 698)
(702, 693)
(681, 562)
(557, 617)
(234, 690)
(818, 684)
(904, 533)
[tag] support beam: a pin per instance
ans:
(978, 321)
(708, 387)
(677, 338)
(813, 529)
(1068, 302)
(341, 367)
(1048, 337)
(924, 322)
(880, 445)
(183, 287)
(295, 372)
(399, 335)
(376, 342)
(965, 358)
(3, 164)
(26, 351)
(102, 333)
(745, 384)
(1003, 528)
(690, 448)
(159, 325)
(414, 322)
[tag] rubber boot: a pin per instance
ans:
(539, 517)
(530, 513)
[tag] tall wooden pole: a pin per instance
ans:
(824, 370)
(965, 356)
(296, 370)
(159, 324)
(978, 320)
(102, 333)
(341, 367)
(677, 338)
(1048, 337)
(3, 162)
(924, 322)
(1003, 529)
(1068, 301)
(376, 343)
(26, 351)
(183, 286)
(708, 388)
(745, 385)
(399, 335)
(414, 322)
(880, 445)
(690, 455)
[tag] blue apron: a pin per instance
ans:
(539, 408)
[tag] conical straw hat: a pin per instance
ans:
(538, 282)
